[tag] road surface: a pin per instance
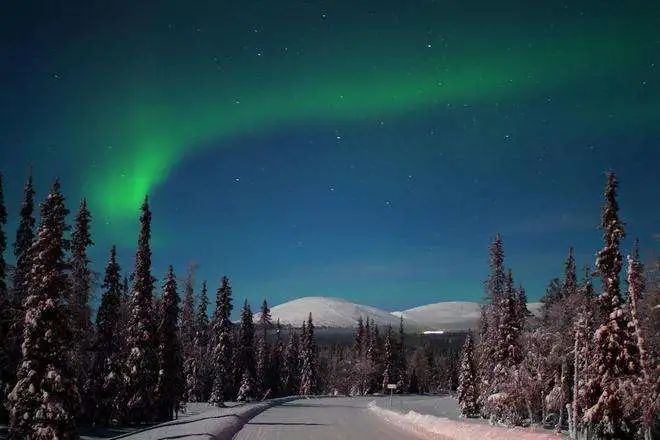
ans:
(337, 418)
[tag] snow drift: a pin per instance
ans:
(439, 428)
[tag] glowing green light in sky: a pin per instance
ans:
(155, 119)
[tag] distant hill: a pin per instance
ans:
(339, 313)
(328, 312)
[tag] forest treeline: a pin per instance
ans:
(588, 364)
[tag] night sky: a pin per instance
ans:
(362, 149)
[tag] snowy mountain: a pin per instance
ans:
(340, 313)
(328, 312)
(450, 315)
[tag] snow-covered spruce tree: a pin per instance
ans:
(376, 358)
(507, 350)
(6, 368)
(586, 288)
(23, 258)
(401, 363)
(197, 368)
(170, 386)
(645, 388)
(105, 383)
(291, 367)
(142, 363)
(245, 360)
(585, 379)
(488, 325)
(467, 381)
(277, 361)
(187, 329)
(79, 295)
(389, 359)
(502, 402)
(221, 352)
(359, 372)
(45, 399)
(262, 373)
(612, 359)
(188, 313)
(570, 285)
(308, 365)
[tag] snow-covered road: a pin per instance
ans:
(322, 419)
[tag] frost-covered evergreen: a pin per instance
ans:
(389, 359)
(197, 367)
(106, 375)
(585, 379)
(401, 362)
(612, 358)
(645, 390)
(23, 258)
(488, 327)
(507, 350)
(221, 353)
(262, 372)
(245, 364)
(188, 314)
(291, 367)
(170, 386)
(308, 361)
(570, 285)
(142, 362)
(468, 393)
(79, 295)
(6, 373)
(187, 331)
(277, 362)
(45, 399)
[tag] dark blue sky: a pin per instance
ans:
(368, 152)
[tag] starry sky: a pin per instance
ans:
(367, 150)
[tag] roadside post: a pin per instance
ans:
(391, 387)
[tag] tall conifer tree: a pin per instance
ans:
(308, 368)
(81, 286)
(170, 387)
(23, 258)
(262, 375)
(221, 352)
(142, 363)
(467, 381)
(291, 380)
(388, 359)
(106, 375)
(45, 399)
(245, 367)
(6, 368)
(612, 358)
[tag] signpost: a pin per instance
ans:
(391, 387)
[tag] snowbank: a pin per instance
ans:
(215, 423)
(440, 428)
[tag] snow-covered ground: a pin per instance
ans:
(339, 313)
(201, 421)
(437, 417)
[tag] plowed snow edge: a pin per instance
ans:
(439, 428)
